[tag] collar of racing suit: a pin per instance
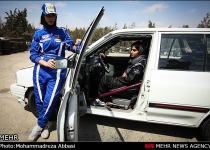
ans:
(133, 61)
(139, 60)
(50, 29)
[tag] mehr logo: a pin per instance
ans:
(9, 137)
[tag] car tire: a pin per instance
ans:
(205, 129)
(33, 108)
(32, 104)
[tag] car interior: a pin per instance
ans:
(185, 52)
(94, 67)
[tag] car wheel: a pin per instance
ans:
(33, 108)
(32, 103)
(205, 130)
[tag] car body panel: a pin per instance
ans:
(25, 78)
(18, 91)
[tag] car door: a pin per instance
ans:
(68, 115)
(179, 87)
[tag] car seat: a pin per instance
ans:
(125, 96)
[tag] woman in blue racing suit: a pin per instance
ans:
(48, 44)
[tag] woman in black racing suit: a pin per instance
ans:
(132, 74)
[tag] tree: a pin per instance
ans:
(1, 27)
(125, 26)
(21, 22)
(205, 23)
(185, 26)
(9, 27)
(150, 25)
(115, 26)
(17, 25)
(132, 25)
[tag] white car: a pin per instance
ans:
(174, 90)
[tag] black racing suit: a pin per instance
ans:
(134, 73)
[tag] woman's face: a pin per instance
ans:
(134, 52)
(50, 18)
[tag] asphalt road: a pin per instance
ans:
(17, 119)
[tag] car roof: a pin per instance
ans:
(165, 29)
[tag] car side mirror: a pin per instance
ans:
(64, 63)
(61, 63)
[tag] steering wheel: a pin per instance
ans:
(105, 65)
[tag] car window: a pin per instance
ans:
(186, 47)
(182, 52)
(122, 48)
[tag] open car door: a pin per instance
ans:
(68, 115)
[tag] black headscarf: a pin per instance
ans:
(44, 23)
(141, 55)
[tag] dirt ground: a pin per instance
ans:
(16, 119)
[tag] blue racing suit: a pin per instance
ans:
(48, 43)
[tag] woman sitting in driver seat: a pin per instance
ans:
(132, 74)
